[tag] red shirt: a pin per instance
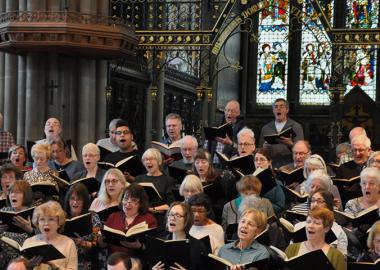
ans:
(117, 221)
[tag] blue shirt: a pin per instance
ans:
(255, 252)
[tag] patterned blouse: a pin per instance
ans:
(8, 253)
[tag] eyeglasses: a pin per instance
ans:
(130, 200)
(231, 111)
(245, 144)
(377, 161)
(301, 154)
(359, 150)
(125, 132)
(175, 215)
(111, 181)
(279, 106)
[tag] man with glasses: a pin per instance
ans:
(109, 144)
(300, 152)
(124, 141)
(227, 145)
(281, 152)
(360, 152)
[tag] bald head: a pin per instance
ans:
(232, 111)
(357, 131)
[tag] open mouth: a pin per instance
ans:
(51, 130)
(149, 166)
(46, 230)
(17, 159)
(14, 201)
(88, 162)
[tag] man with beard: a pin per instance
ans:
(189, 146)
(124, 141)
(281, 152)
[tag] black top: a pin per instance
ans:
(197, 250)
(115, 157)
(82, 174)
(164, 185)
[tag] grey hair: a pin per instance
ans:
(321, 175)
(370, 172)
(246, 130)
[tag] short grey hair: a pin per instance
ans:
(314, 160)
(247, 131)
(152, 152)
(362, 139)
(192, 139)
(372, 157)
(321, 175)
(192, 182)
(370, 172)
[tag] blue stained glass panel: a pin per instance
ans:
(272, 53)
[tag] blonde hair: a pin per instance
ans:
(260, 218)
(103, 196)
(44, 148)
(92, 148)
(375, 230)
(52, 209)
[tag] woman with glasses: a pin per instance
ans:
(164, 184)
(178, 224)
(49, 218)
(90, 156)
(319, 221)
(111, 190)
(246, 249)
(322, 198)
(41, 173)
(134, 210)
(276, 195)
(77, 202)
(374, 160)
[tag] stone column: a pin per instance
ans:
(21, 83)
(101, 102)
(87, 102)
(2, 55)
(10, 83)
(53, 5)
(160, 102)
(149, 118)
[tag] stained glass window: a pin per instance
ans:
(362, 13)
(360, 61)
(272, 52)
(360, 69)
(315, 66)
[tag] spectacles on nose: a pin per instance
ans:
(111, 181)
(125, 132)
(130, 200)
(175, 215)
(245, 144)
